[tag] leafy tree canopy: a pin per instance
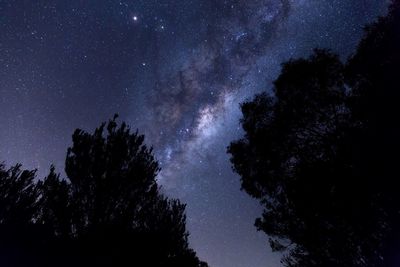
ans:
(108, 211)
(321, 154)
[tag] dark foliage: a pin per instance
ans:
(322, 153)
(108, 212)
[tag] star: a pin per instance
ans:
(177, 71)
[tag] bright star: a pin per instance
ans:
(135, 18)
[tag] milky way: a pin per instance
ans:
(177, 71)
(215, 70)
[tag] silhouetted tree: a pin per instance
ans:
(373, 74)
(55, 204)
(108, 212)
(18, 212)
(19, 194)
(116, 205)
(317, 155)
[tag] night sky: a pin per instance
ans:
(176, 70)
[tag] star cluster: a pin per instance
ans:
(177, 71)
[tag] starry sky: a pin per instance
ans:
(176, 70)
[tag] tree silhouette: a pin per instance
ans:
(18, 199)
(373, 74)
(321, 155)
(108, 212)
(20, 238)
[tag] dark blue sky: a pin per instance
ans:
(177, 71)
